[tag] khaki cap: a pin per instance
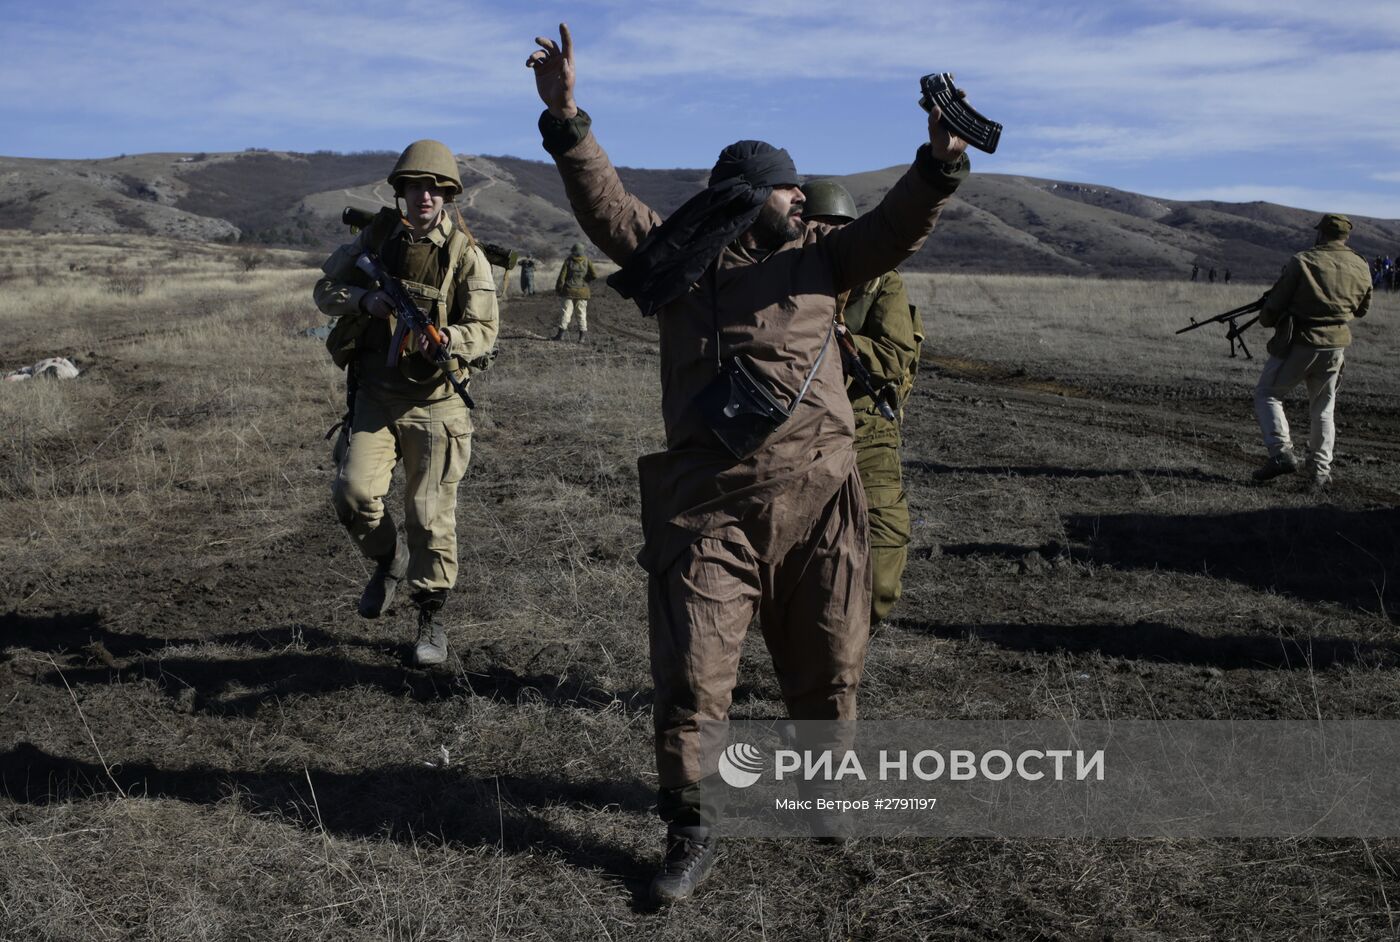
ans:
(1334, 222)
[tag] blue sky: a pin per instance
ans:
(1291, 101)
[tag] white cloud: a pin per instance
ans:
(1089, 88)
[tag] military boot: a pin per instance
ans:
(388, 573)
(690, 853)
(558, 334)
(1285, 462)
(430, 647)
(582, 336)
(1319, 479)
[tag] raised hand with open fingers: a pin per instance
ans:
(553, 65)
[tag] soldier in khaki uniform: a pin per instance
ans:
(1309, 307)
(409, 411)
(888, 334)
(743, 519)
(572, 288)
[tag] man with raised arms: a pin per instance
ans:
(755, 506)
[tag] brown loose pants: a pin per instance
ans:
(813, 606)
(434, 440)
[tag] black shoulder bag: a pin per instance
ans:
(736, 405)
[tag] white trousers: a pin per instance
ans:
(1321, 369)
(566, 314)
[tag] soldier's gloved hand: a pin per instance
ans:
(946, 145)
(376, 304)
(554, 73)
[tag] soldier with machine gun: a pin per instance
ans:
(1309, 307)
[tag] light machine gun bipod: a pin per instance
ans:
(1235, 332)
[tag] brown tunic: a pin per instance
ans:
(776, 311)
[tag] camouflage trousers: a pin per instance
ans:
(434, 440)
(877, 459)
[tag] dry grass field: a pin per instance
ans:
(199, 739)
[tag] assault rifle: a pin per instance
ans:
(1235, 332)
(850, 357)
(410, 318)
(958, 116)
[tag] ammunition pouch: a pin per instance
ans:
(413, 366)
(344, 337)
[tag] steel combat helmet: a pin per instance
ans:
(427, 159)
(828, 199)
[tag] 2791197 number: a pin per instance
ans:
(903, 804)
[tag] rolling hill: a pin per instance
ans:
(997, 223)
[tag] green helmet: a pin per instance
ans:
(579, 248)
(828, 199)
(427, 159)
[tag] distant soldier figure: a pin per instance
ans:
(1309, 307)
(888, 333)
(1210, 276)
(527, 276)
(1195, 271)
(410, 410)
(1227, 276)
(572, 288)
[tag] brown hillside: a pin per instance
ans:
(997, 224)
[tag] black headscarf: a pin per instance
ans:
(675, 254)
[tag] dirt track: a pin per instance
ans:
(196, 723)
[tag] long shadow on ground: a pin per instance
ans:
(1150, 641)
(1316, 554)
(1322, 554)
(299, 660)
(289, 660)
(403, 803)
